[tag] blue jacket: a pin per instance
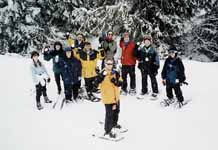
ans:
(78, 45)
(70, 69)
(148, 59)
(173, 69)
(55, 56)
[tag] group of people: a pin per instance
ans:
(78, 60)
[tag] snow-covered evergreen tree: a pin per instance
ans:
(29, 24)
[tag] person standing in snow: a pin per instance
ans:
(55, 55)
(89, 58)
(128, 62)
(79, 42)
(71, 72)
(40, 78)
(109, 45)
(173, 75)
(109, 81)
(148, 64)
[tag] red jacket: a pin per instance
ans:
(127, 57)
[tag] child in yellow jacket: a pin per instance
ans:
(109, 82)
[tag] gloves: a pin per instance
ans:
(113, 80)
(67, 35)
(45, 50)
(73, 45)
(100, 77)
(48, 80)
(116, 82)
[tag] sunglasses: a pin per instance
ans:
(109, 64)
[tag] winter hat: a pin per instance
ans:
(173, 50)
(34, 53)
(67, 49)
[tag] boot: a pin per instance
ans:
(123, 92)
(132, 92)
(39, 106)
(110, 135)
(47, 99)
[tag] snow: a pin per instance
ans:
(150, 126)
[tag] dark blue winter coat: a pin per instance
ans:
(148, 59)
(78, 45)
(55, 55)
(71, 70)
(173, 69)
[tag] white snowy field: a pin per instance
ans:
(151, 127)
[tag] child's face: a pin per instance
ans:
(36, 58)
(109, 65)
(172, 54)
(57, 47)
(88, 47)
(68, 54)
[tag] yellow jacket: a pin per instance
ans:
(70, 41)
(88, 61)
(110, 93)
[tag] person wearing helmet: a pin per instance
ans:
(40, 77)
(71, 72)
(173, 75)
(148, 64)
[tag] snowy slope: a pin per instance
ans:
(151, 127)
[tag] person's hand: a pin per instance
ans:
(113, 80)
(114, 107)
(97, 69)
(44, 50)
(49, 80)
(164, 82)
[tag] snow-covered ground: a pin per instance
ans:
(151, 127)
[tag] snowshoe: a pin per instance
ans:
(153, 96)
(93, 98)
(181, 104)
(119, 129)
(47, 100)
(110, 135)
(142, 95)
(167, 102)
